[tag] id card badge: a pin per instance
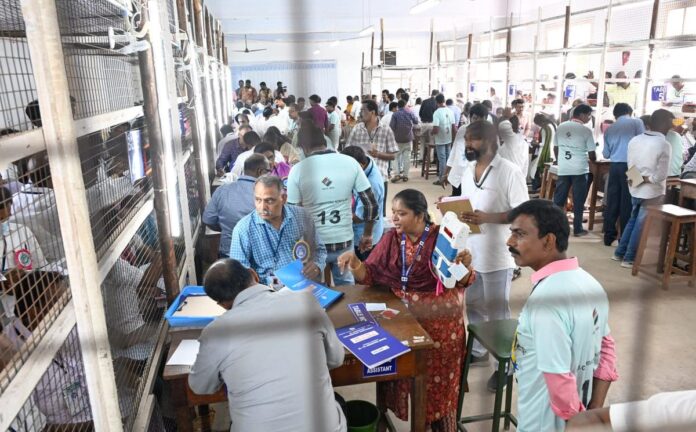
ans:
(23, 259)
(75, 398)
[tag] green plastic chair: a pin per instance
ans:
(496, 337)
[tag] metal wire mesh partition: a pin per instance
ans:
(630, 22)
(522, 38)
(17, 86)
(100, 56)
(116, 168)
(60, 401)
(34, 280)
(192, 193)
(134, 302)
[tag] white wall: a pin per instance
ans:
(347, 55)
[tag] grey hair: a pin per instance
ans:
(270, 181)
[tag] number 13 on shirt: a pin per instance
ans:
(333, 217)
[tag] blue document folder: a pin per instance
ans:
(370, 343)
(291, 275)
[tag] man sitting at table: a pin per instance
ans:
(276, 234)
(232, 201)
(273, 350)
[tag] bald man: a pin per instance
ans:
(273, 350)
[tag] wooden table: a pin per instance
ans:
(599, 170)
(404, 327)
(687, 190)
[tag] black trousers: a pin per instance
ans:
(617, 204)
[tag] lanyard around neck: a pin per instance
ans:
(405, 272)
(484, 176)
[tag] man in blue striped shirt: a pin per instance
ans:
(232, 201)
(276, 234)
(618, 199)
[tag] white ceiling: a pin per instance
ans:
(325, 20)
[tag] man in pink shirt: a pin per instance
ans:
(563, 354)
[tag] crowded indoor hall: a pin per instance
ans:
(357, 216)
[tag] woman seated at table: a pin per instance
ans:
(437, 309)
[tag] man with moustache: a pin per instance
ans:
(495, 186)
(563, 354)
(276, 234)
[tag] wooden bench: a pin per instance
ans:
(674, 218)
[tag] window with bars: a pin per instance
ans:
(680, 21)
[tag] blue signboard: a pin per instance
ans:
(512, 89)
(570, 91)
(388, 368)
(472, 88)
(658, 93)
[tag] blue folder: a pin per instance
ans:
(292, 277)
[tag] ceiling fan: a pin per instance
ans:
(246, 47)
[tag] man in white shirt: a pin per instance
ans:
(443, 133)
(334, 129)
(20, 249)
(513, 147)
(676, 94)
(273, 350)
(650, 153)
(664, 412)
(386, 118)
(250, 139)
(494, 186)
(574, 146)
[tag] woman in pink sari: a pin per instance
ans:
(401, 263)
(278, 169)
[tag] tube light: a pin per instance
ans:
(366, 31)
(423, 6)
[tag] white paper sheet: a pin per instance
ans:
(199, 306)
(185, 354)
(375, 307)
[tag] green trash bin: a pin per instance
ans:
(362, 416)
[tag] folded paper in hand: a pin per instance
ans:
(458, 205)
(634, 176)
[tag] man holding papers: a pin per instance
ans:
(276, 234)
(649, 153)
(273, 351)
(495, 186)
